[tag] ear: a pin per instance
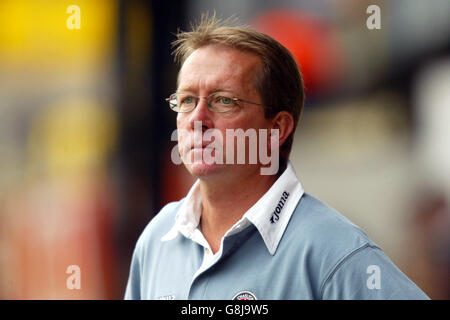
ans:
(284, 122)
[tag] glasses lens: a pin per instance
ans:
(173, 102)
(185, 102)
(181, 102)
(217, 102)
(221, 102)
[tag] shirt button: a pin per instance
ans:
(207, 250)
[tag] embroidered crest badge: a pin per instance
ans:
(245, 295)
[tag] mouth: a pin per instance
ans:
(202, 147)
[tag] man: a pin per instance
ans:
(239, 233)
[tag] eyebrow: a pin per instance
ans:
(214, 90)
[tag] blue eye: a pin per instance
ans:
(225, 100)
(188, 100)
(222, 100)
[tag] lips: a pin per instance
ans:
(196, 143)
(202, 147)
(199, 143)
(191, 147)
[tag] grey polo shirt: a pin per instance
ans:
(288, 245)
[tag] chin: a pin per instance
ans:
(199, 167)
(203, 170)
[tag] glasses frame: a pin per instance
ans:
(208, 102)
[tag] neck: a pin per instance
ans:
(225, 201)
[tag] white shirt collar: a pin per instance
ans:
(270, 214)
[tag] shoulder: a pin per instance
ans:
(321, 225)
(320, 239)
(160, 224)
(148, 240)
(368, 273)
(343, 257)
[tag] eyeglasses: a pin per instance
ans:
(217, 102)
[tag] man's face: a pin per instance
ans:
(211, 69)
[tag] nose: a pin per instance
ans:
(201, 113)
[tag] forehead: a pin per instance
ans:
(216, 67)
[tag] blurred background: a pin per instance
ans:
(85, 131)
